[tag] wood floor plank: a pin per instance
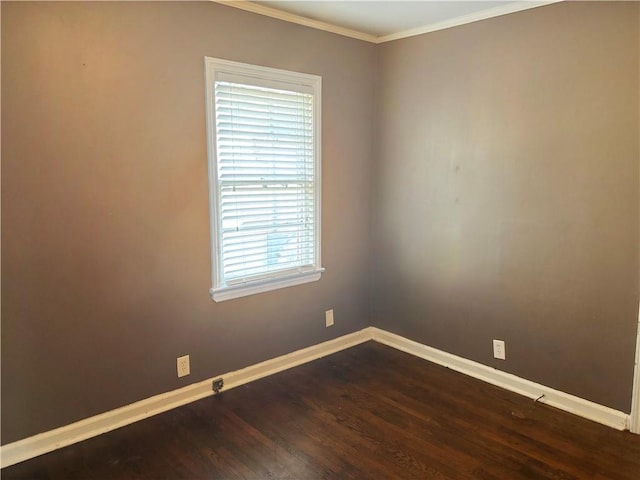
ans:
(369, 412)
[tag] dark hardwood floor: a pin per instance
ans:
(368, 412)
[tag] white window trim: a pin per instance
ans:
(264, 76)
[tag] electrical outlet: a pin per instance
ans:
(328, 317)
(183, 366)
(498, 349)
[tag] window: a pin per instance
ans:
(263, 129)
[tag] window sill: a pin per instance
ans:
(242, 290)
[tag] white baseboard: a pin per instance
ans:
(563, 401)
(42, 443)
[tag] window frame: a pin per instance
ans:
(219, 69)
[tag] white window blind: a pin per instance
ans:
(265, 180)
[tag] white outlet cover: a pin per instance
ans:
(329, 318)
(183, 366)
(499, 350)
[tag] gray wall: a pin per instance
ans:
(500, 183)
(105, 224)
(506, 195)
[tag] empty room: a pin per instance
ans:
(320, 239)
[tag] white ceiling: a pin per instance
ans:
(380, 21)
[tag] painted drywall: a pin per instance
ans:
(506, 194)
(503, 199)
(105, 222)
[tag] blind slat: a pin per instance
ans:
(266, 179)
(287, 251)
(258, 245)
(256, 268)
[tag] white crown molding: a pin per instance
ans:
(465, 19)
(297, 19)
(328, 27)
(42, 443)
